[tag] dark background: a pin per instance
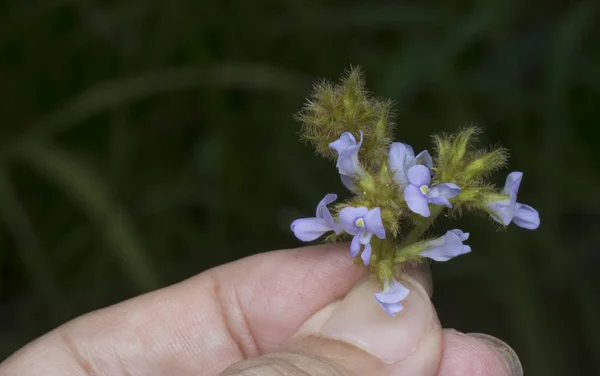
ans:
(145, 141)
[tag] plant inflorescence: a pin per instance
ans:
(398, 194)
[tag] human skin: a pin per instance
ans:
(306, 311)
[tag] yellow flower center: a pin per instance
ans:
(424, 189)
(360, 223)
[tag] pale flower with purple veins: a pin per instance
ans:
(401, 158)
(509, 210)
(309, 229)
(363, 224)
(348, 164)
(418, 194)
(391, 296)
(448, 246)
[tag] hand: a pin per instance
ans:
(306, 311)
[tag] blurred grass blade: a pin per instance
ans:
(113, 94)
(29, 248)
(93, 197)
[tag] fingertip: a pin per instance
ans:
(508, 355)
(477, 355)
(360, 321)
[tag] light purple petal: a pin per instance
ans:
(424, 158)
(391, 309)
(345, 141)
(308, 229)
(355, 246)
(399, 290)
(501, 212)
(440, 253)
(374, 224)
(349, 165)
(402, 154)
(399, 159)
(366, 254)
(389, 299)
(416, 200)
(328, 199)
(348, 217)
(419, 175)
(454, 237)
(511, 187)
(347, 162)
(365, 236)
(440, 200)
(451, 247)
(348, 182)
(507, 210)
(460, 234)
(448, 190)
(440, 193)
(526, 217)
(323, 212)
(393, 294)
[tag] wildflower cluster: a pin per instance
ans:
(396, 194)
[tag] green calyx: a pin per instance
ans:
(333, 109)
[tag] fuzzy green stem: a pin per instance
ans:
(385, 270)
(384, 170)
(383, 256)
(409, 253)
(381, 128)
(422, 226)
(367, 183)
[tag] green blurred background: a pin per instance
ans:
(145, 141)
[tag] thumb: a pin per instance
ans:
(354, 336)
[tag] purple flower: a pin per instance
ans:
(402, 157)
(509, 210)
(308, 229)
(391, 296)
(363, 224)
(448, 246)
(348, 164)
(418, 195)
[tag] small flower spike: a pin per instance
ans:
(418, 195)
(391, 296)
(309, 229)
(448, 246)
(509, 210)
(363, 224)
(402, 157)
(348, 164)
(392, 188)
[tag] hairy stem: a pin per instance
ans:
(420, 227)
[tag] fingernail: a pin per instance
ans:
(360, 321)
(422, 274)
(508, 355)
